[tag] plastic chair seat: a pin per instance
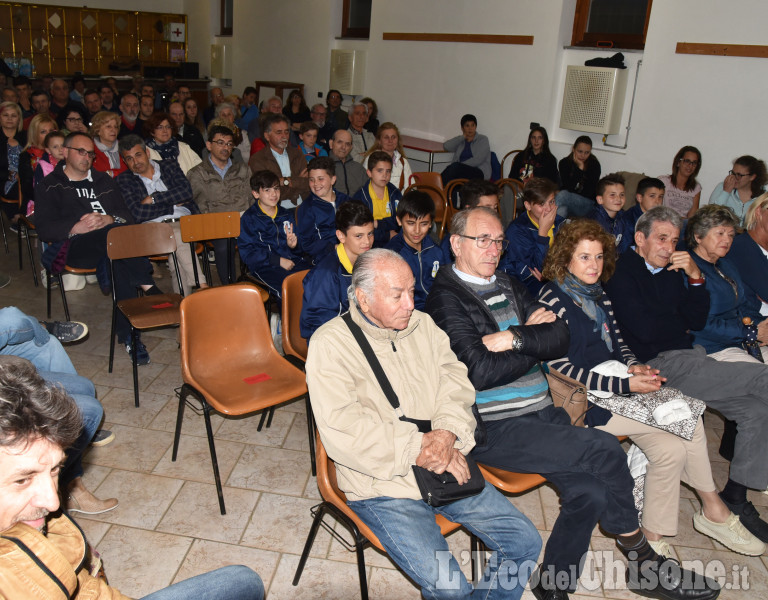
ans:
(512, 483)
(142, 314)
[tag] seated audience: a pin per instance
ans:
(227, 111)
(316, 216)
(609, 213)
(272, 106)
(471, 153)
(336, 115)
(220, 184)
(388, 140)
(535, 160)
(268, 244)
(249, 110)
(579, 174)
(709, 236)
(296, 109)
(749, 255)
(160, 133)
(362, 139)
(415, 215)
(372, 124)
(156, 191)
(186, 135)
(217, 97)
(54, 152)
(42, 548)
(380, 196)
(745, 182)
(74, 212)
(60, 97)
(532, 234)
(192, 116)
(659, 298)
(649, 194)
(92, 104)
(325, 286)
(12, 141)
(318, 115)
(74, 118)
(107, 96)
(683, 192)
(146, 107)
(476, 192)
(350, 174)
(78, 89)
(582, 257)
(375, 451)
(500, 333)
(129, 115)
(39, 128)
(308, 136)
(24, 90)
(104, 129)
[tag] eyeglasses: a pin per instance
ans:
(223, 144)
(739, 175)
(484, 242)
(74, 119)
(168, 127)
(83, 152)
(690, 163)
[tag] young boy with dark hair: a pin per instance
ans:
(415, 215)
(609, 213)
(268, 244)
(325, 286)
(316, 216)
(649, 194)
(308, 135)
(381, 197)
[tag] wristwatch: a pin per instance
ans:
(700, 281)
(286, 182)
(517, 341)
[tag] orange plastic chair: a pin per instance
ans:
(508, 154)
(228, 361)
(335, 503)
(426, 177)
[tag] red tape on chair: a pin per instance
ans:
(163, 305)
(257, 378)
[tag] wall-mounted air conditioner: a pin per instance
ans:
(221, 62)
(593, 99)
(348, 71)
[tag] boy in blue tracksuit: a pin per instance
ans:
(381, 197)
(609, 213)
(316, 216)
(325, 286)
(415, 214)
(268, 244)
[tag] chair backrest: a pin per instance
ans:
(512, 153)
(222, 328)
(517, 188)
(427, 177)
(146, 239)
(293, 292)
(438, 197)
(210, 226)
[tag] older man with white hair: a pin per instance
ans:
(362, 139)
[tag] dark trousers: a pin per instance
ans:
(223, 260)
(272, 277)
(89, 251)
(587, 467)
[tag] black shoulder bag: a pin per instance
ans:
(437, 489)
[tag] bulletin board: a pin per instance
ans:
(61, 40)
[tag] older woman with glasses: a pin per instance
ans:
(104, 129)
(683, 192)
(72, 119)
(745, 182)
(709, 236)
(582, 257)
(160, 132)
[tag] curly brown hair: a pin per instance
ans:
(155, 120)
(560, 254)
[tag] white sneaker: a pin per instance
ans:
(662, 548)
(731, 534)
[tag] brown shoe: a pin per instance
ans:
(80, 500)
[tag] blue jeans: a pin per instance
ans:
(83, 393)
(407, 530)
(228, 583)
(571, 204)
(23, 336)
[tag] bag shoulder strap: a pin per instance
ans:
(365, 346)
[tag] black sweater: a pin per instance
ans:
(655, 312)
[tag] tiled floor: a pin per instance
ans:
(168, 526)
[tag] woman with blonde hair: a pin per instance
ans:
(104, 129)
(39, 127)
(749, 254)
(388, 140)
(227, 111)
(12, 140)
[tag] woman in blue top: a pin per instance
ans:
(583, 256)
(709, 236)
(749, 254)
(745, 182)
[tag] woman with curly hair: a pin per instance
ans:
(683, 192)
(582, 257)
(160, 132)
(104, 129)
(745, 182)
(388, 140)
(372, 124)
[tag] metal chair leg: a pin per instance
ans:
(111, 338)
(179, 418)
(134, 340)
(263, 418)
(60, 279)
(216, 475)
(311, 431)
(359, 548)
(31, 259)
(18, 241)
(310, 540)
(48, 291)
(269, 417)
(2, 228)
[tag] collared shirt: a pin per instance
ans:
(471, 278)
(155, 184)
(282, 161)
(221, 171)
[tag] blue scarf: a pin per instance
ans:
(167, 151)
(586, 297)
